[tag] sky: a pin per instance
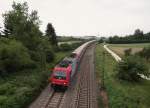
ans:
(89, 17)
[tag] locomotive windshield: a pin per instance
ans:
(60, 75)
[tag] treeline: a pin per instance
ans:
(22, 44)
(26, 55)
(137, 37)
(66, 39)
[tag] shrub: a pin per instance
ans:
(49, 55)
(13, 57)
(145, 53)
(100, 41)
(75, 45)
(68, 47)
(130, 68)
(65, 47)
(127, 52)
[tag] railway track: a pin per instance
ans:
(55, 100)
(49, 99)
(85, 93)
(82, 92)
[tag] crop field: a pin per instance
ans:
(121, 94)
(119, 48)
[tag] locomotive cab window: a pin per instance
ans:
(60, 75)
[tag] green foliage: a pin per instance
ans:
(75, 45)
(13, 57)
(145, 53)
(22, 26)
(65, 47)
(50, 32)
(49, 56)
(127, 52)
(137, 37)
(68, 47)
(17, 90)
(138, 33)
(101, 41)
(122, 94)
(68, 39)
(25, 57)
(130, 68)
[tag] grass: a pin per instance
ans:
(19, 89)
(119, 48)
(121, 94)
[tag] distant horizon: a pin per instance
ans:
(89, 17)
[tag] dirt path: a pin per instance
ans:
(83, 90)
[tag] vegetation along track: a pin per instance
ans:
(81, 94)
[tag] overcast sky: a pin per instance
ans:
(89, 17)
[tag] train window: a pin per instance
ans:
(60, 75)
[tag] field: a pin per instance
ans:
(119, 48)
(121, 94)
(19, 89)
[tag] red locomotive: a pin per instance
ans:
(65, 70)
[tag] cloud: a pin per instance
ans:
(91, 17)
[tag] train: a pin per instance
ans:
(65, 70)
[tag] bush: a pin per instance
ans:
(130, 68)
(75, 45)
(65, 47)
(49, 56)
(100, 41)
(127, 52)
(145, 53)
(68, 47)
(13, 57)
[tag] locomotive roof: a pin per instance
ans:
(64, 63)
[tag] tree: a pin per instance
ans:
(138, 32)
(50, 32)
(22, 26)
(137, 37)
(14, 56)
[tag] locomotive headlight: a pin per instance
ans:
(65, 83)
